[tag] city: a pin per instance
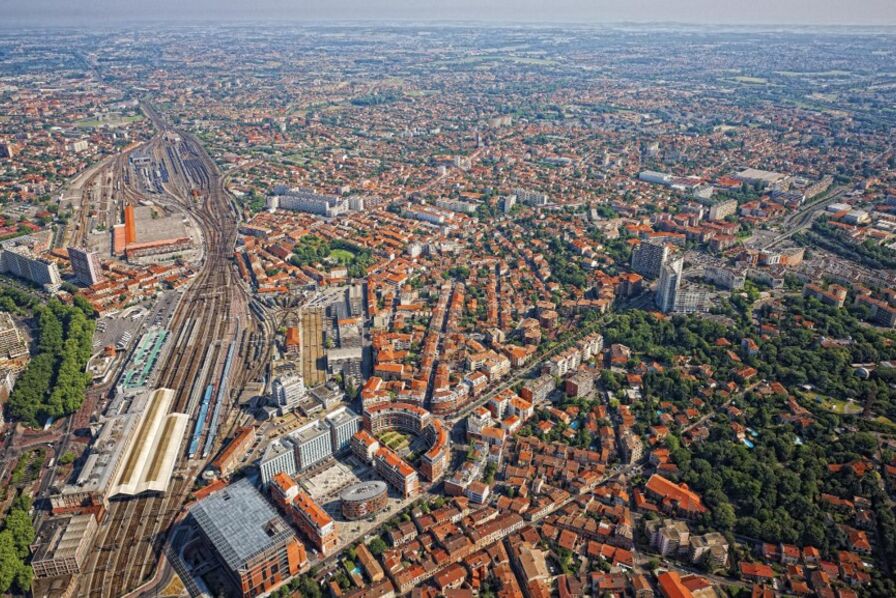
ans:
(380, 309)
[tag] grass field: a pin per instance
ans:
(111, 121)
(343, 256)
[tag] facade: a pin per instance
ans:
(62, 544)
(313, 521)
(228, 458)
(287, 391)
(649, 258)
(313, 444)
(364, 446)
(85, 266)
(364, 499)
(303, 200)
(278, 456)
(343, 424)
(396, 472)
(669, 285)
(532, 198)
(255, 545)
(23, 263)
(722, 209)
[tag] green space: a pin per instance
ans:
(55, 381)
(312, 250)
(15, 538)
(838, 406)
(27, 468)
(395, 440)
(110, 121)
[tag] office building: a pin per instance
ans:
(287, 391)
(279, 456)
(669, 285)
(257, 548)
(343, 424)
(648, 258)
(364, 499)
(313, 444)
(85, 266)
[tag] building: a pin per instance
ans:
(364, 446)
(725, 278)
(257, 548)
(279, 456)
(343, 424)
(669, 285)
(287, 391)
(313, 444)
(230, 455)
(364, 499)
(62, 544)
(304, 200)
(763, 178)
(722, 209)
(12, 342)
(711, 548)
(155, 446)
(538, 389)
(668, 536)
(648, 259)
(22, 262)
(834, 295)
(532, 198)
(313, 521)
(396, 471)
(85, 265)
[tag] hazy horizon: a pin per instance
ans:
(697, 12)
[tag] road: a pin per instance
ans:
(803, 218)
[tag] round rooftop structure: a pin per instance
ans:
(366, 498)
(364, 491)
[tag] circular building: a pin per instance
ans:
(364, 499)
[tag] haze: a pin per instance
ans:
(735, 12)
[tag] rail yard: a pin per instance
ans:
(210, 354)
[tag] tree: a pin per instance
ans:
(18, 523)
(377, 546)
(9, 561)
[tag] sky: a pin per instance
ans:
(731, 12)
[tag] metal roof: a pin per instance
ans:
(240, 523)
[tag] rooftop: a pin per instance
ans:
(240, 523)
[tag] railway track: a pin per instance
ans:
(213, 311)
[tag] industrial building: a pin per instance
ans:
(255, 545)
